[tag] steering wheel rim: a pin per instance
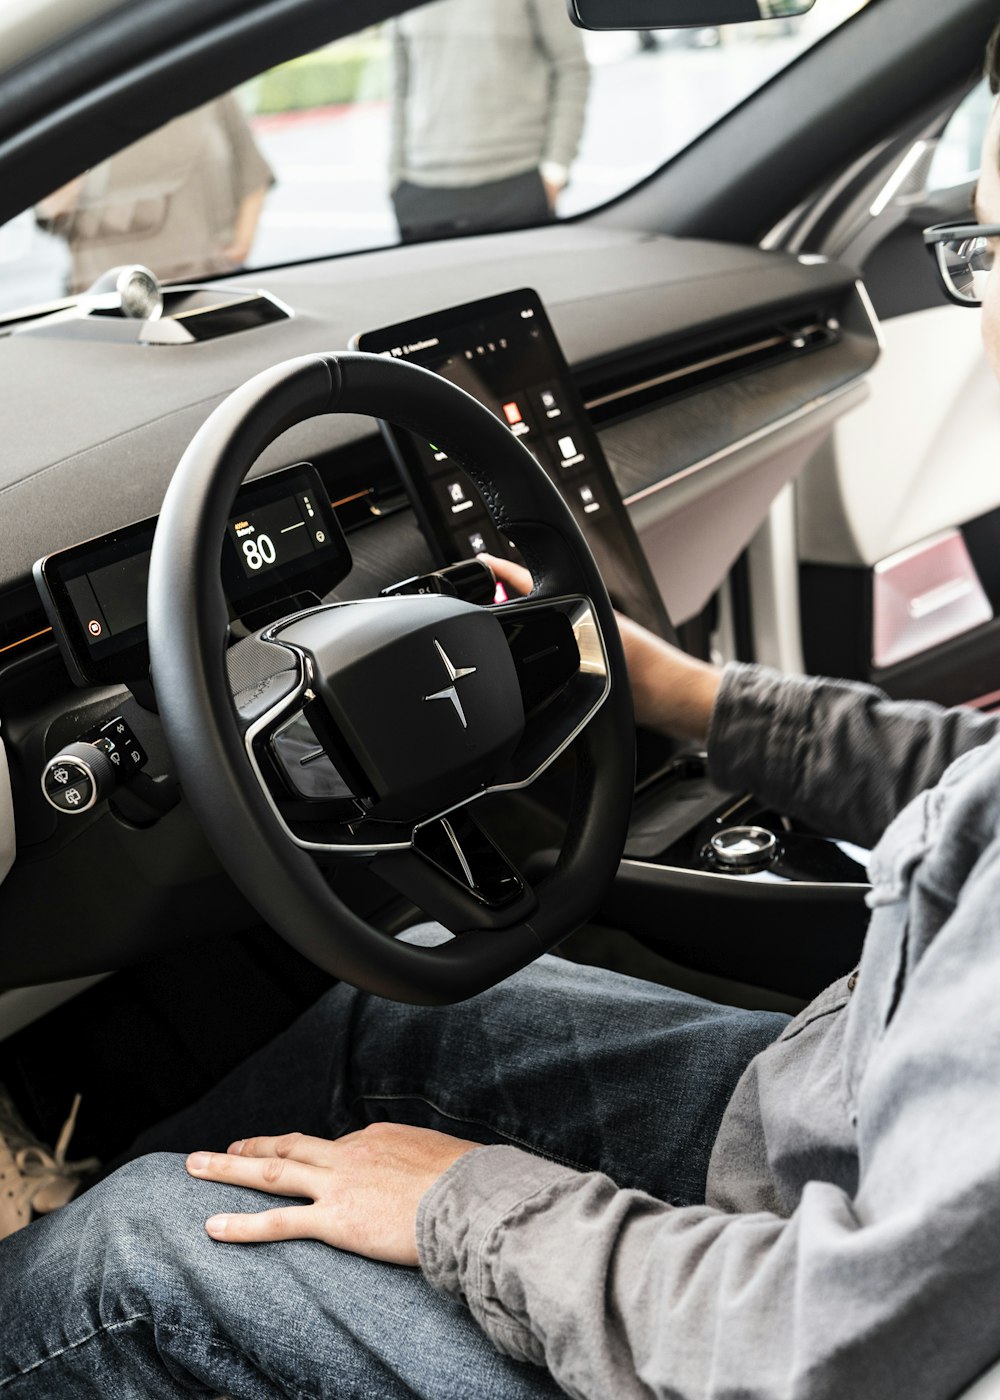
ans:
(188, 632)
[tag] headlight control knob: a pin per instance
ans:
(79, 777)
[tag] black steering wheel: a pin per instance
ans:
(412, 707)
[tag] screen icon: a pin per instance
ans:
(459, 497)
(569, 454)
(514, 417)
(589, 501)
(549, 402)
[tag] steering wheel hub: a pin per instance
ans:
(421, 691)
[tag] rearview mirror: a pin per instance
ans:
(679, 14)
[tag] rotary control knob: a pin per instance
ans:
(80, 776)
(744, 849)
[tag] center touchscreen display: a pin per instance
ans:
(504, 352)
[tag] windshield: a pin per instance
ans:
(457, 117)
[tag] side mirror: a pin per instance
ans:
(679, 14)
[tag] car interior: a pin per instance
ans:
(721, 373)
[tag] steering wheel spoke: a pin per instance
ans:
(564, 675)
(457, 875)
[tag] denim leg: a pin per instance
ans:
(122, 1296)
(579, 1064)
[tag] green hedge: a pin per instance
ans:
(324, 79)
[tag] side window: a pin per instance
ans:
(956, 155)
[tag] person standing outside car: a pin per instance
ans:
(184, 201)
(488, 105)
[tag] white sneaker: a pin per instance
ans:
(33, 1179)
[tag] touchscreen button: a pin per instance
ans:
(457, 497)
(434, 458)
(88, 610)
(547, 400)
(515, 412)
(588, 499)
(567, 451)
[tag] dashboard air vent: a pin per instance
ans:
(679, 370)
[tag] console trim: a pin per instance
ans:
(747, 883)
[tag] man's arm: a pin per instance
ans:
(245, 225)
(837, 754)
(569, 85)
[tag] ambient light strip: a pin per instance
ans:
(22, 640)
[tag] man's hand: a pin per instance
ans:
(553, 189)
(671, 691)
(364, 1188)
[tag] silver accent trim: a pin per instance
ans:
(593, 661)
(455, 673)
(870, 312)
(795, 341)
(775, 881)
(449, 831)
(760, 435)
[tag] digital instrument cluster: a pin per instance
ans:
(283, 548)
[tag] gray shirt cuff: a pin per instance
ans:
(460, 1226)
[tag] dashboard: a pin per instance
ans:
(688, 382)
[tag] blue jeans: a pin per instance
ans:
(121, 1295)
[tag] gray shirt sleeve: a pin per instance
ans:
(569, 79)
(886, 1291)
(836, 754)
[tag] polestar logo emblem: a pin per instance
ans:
(455, 673)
